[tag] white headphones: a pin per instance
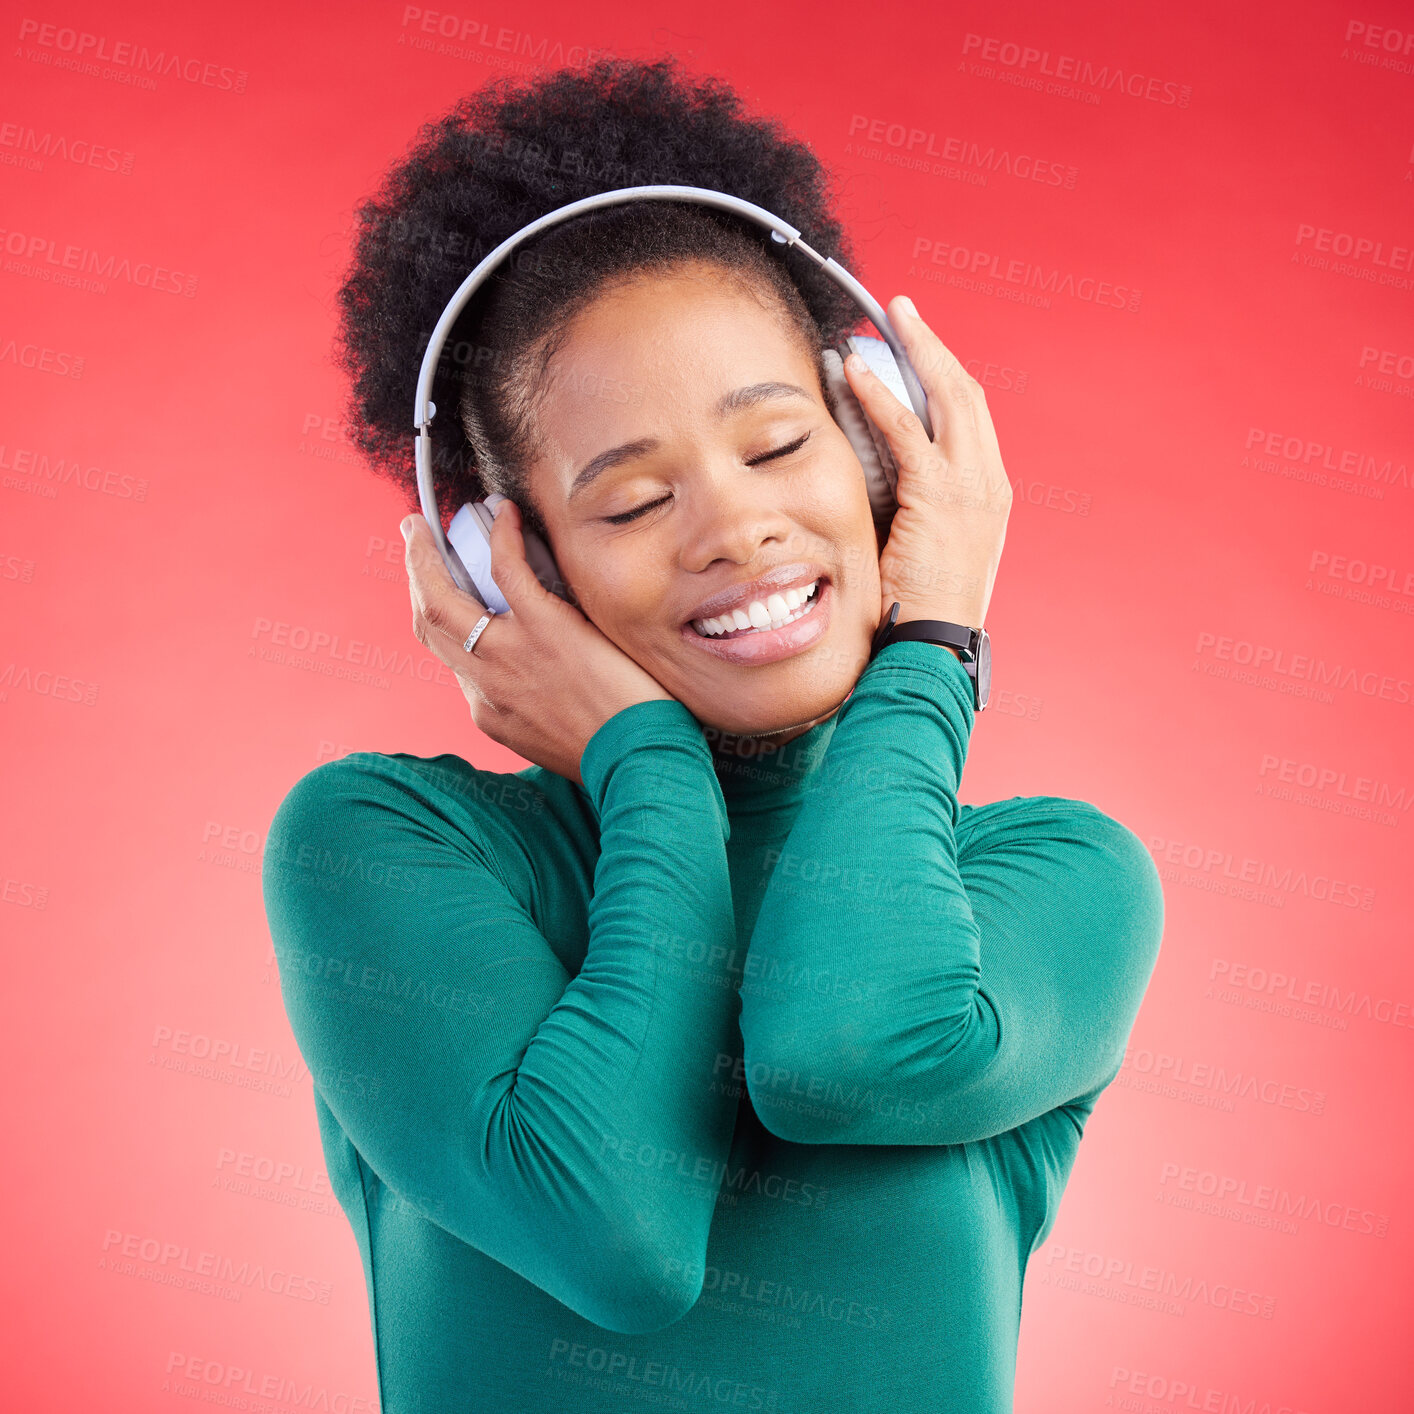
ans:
(468, 555)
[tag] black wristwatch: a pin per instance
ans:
(973, 646)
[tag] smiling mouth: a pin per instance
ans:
(762, 615)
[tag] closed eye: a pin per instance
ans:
(624, 517)
(780, 451)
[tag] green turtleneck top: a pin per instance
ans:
(709, 1083)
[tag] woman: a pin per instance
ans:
(720, 1058)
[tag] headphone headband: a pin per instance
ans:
(781, 231)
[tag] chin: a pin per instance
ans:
(790, 711)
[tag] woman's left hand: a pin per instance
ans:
(945, 541)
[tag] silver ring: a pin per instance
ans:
(481, 623)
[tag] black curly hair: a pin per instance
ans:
(505, 155)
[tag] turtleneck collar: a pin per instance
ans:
(761, 782)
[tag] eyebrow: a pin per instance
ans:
(735, 401)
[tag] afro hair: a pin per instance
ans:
(507, 154)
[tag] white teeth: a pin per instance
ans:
(774, 611)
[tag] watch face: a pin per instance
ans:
(984, 670)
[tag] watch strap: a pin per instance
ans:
(951, 635)
(935, 631)
(969, 643)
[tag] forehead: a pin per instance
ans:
(652, 357)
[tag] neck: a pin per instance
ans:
(761, 746)
(764, 772)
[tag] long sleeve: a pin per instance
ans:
(988, 962)
(566, 1126)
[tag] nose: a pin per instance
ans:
(733, 513)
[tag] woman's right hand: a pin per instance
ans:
(954, 495)
(542, 679)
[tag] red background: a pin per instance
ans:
(174, 485)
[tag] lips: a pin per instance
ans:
(777, 611)
(770, 645)
(775, 581)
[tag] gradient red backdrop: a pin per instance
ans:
(1174, 244)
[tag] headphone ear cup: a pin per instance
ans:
(470, 536)
(870, 445)
(542, 564)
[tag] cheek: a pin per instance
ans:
(616, 592)
(841, 511)
(839, 478)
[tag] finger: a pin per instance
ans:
(428, 575)
(932, 360)
(443, 614)
(969, 438)
(947, 383)
(988, 432)
(907, 439)
(511, 566)
(975, 441)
